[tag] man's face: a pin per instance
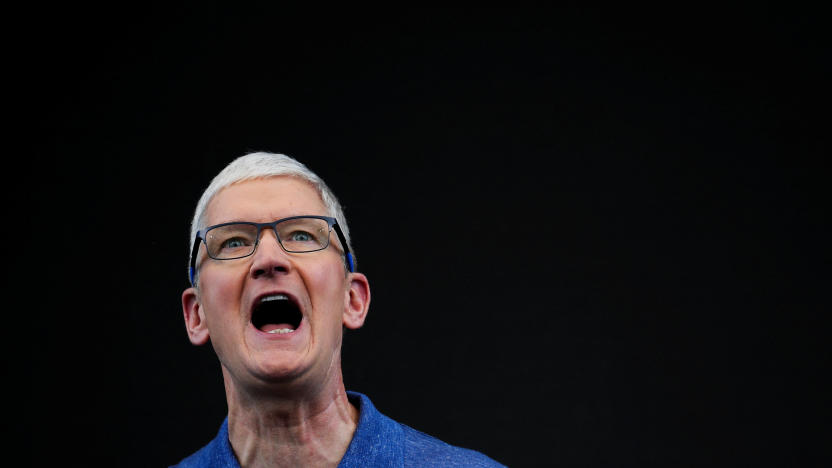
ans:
(238, 302)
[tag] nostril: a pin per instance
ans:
(265, 271)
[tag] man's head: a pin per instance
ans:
(274, 314)
(262, 165)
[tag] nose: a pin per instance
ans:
(269, 259)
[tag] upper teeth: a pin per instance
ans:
(275, 297)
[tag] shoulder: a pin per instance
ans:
(194, 460)
(421, 449)
(379, 440)
(216, 453)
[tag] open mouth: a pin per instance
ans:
(276, 314)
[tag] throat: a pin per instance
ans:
(292, 431)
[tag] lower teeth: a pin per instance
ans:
(280, 331)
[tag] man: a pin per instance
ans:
(273, 283)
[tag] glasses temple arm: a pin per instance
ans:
(348, 258)
(194, 253)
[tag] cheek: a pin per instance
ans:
(220, 304)
(329, 283)
(222, 295)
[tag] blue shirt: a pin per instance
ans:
(378, 441)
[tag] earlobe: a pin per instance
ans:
(194, 317)
(358, 301)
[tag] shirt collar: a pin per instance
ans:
(378, 440)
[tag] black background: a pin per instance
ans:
(594, 237)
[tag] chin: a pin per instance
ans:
(280, 369)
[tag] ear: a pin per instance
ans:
(194, 317)
(357, 301)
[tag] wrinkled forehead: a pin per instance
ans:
(264, 199)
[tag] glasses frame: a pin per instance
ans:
(332, 222)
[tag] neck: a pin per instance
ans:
(290, 428)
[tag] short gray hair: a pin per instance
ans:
(261, 165)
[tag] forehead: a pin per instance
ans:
(262, 200)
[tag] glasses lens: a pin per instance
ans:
(303, 234)
(231, 241)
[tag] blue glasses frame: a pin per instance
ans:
(333, 223)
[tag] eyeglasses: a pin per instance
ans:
(296, 234)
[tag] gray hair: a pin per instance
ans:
(261, 165)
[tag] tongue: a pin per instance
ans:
(275, 326)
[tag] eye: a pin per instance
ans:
(233, 243)
(301, 236)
